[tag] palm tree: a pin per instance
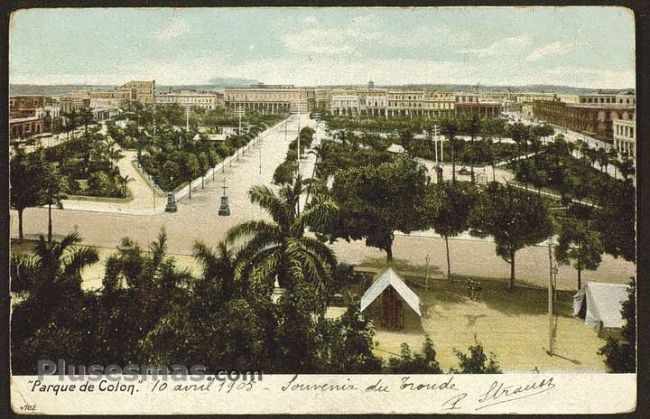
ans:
(51, 274)
(218, 270)
(114, 153)
(449, 129)
(279, 248)
(124, 180)
(51, 190)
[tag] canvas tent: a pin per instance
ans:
(396, 148)
(390, 278)
(601, 304)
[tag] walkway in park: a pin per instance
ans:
(196, 219)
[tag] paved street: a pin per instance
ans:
(197, 219)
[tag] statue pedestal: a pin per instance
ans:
(224, 209)
(171, 203)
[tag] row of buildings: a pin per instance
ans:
(351, 102)
(609, 117)
(34, 115)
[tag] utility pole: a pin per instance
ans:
(435, 141)
(550, 298)
(154, 120)
(187, 118)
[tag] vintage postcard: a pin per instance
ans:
(322, 210)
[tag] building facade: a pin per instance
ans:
(143, 92)
(73, 102)
(271, 99)
(608, 99)
(22, 128)
(595, 120)
(110, 98)
(323, 100)
(625, 136)
(25, 106)
(192, 99)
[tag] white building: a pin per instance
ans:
(624, 136)
(190, 98)
(345, 105)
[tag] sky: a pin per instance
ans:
(576, 46)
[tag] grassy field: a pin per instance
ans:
(513, 325)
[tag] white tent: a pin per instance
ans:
(603, 304)
(396, 148)
(390, 278)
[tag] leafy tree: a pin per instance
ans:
(204, 165)
(579, 244)
(410, 363)
(519, 135)
(449, 129)
(86, 117)
(626, 167)
(189, 169)
(375, 201)
(474, 127)
(407, 140)
(447, 208)
(350, 342)
(615, 219)
(24, 191)
(613, 159)
(52, 186)
(476, 362)
(620, 354)
(213, 159)
(514, 218)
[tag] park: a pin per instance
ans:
(319, 207)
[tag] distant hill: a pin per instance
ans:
(64, 89)
(230, 82)
(52, 90)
